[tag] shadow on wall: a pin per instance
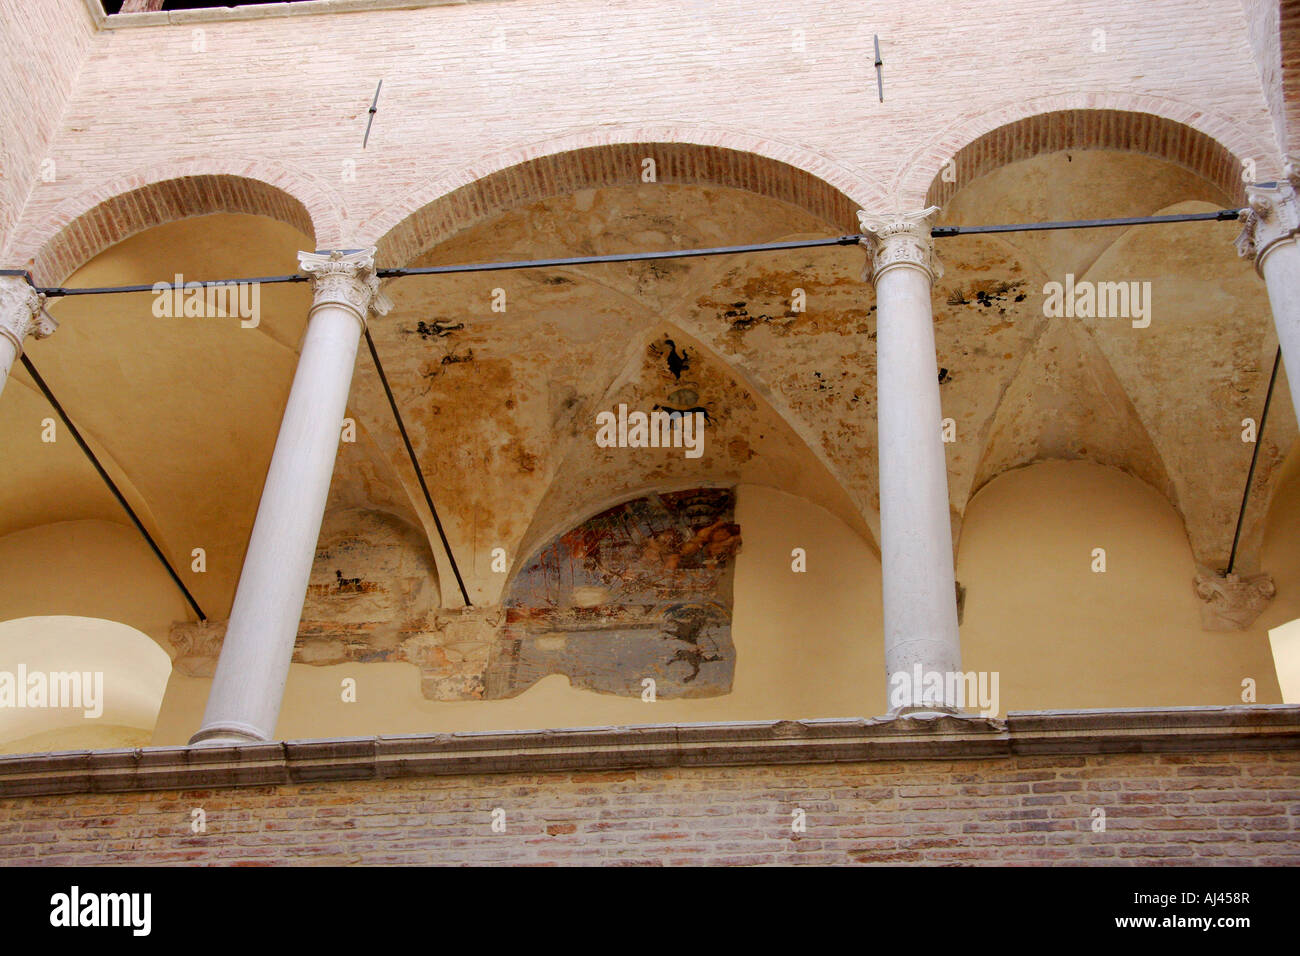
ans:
(78, 683)
(1063, 635)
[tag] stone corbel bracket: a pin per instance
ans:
(197, 645)
(1232, 602)
(453, 656)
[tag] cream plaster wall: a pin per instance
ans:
(1285, 642)
(94, 569)
(1282, 560)
(1063, 636)
(808, 645)
(117, 709)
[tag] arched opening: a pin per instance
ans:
(182, 410)
(1158, 384)
(89, 225)
(498, 375)
(78, 683)
(1079, 594)
(1088, 130)
(448, 206)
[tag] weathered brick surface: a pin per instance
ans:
(1215, 808)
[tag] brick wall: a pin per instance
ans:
(1264, 30)
(1288, 60)
(1210, 808)
(470, 89)
(42, 46)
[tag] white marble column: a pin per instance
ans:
(920, 604)
(1269, 238)
(247, 688)
(22, 313)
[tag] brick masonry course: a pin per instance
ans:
(1212, 808)
(1182, 786)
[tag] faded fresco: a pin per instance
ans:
(641, 590)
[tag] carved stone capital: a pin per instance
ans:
(902, 239)
(22, 312)
(1232, 602)
(347, 280)
(1272, 216)
(198, 645)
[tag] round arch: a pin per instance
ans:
(590, 160)
(1211, 146)
(86, 225)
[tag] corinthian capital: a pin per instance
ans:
(902, 239)
(345, 279)
(22, 312)
(1273, 215)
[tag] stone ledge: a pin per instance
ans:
(1143, 730)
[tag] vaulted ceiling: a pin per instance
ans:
(501, 402)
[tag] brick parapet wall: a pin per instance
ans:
(1213, 786)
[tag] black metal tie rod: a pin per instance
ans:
(938, 232)
(1220, 215)
(617, 257)
(1254, 457)
(415, 463)
(112, 486)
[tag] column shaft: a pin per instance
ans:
(248, 686)
(1272, 224)
(1281, 271)
(8, 355)
(919, 589)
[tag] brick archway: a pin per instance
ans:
(86, 225)
(592, 160)
(1213, 148)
